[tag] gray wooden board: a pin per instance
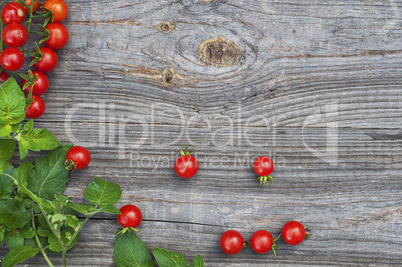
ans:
(316, 85)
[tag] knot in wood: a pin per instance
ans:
(169, 76)
(166, 26)
(219, 52)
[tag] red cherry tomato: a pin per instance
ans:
(48, 61)
(12, 59)
(59, 9)
(261, 241)
(58, 37)
(4, 76)
(131, 216)
(263, 166)
(293, 233)
(186, 166)
(78, 157)
(13, 13)
(231, 242)
(29, 2)
(41, 83)
(36, 109)
(15, 35)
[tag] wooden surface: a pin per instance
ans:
(289, 79)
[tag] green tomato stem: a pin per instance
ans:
(37, 239)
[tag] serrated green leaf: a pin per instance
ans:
(28, 126)
(80, 207)
(30, 242)
(36, 140)
(13, 214)
(7, 148)
(198, 261)
(27, 232)
(168, 258)
(5, 130)
(102, 193)
(72, 221)
(14, 239)
(6, 184)
(19, 255)
(131, 251)
(12, 99)
(49, 175)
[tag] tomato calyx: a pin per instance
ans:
(308, 233)
(264, 179)
(70, 164)
(186, 152)
(124, 230)
(274, 245)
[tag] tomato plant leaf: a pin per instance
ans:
(13, 214)
(108, 209)
(21, 173)
(66, 235)
(27, 232)
(43, 232)
(49, 176)
(14, 239)
(36, 140)
(4, 165)
(6, 184)
(198, 261)
(80, 207)
(130, 250)
(102, 193)
(19, 255)
(12, 108)
(7, 148)
(168, 258)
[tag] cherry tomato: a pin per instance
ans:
(15, 35)
(232, 242)
(78, 157)
(264, 166)
(131, 216)
(41, 83)
(36, 109)
(261, 241)
(48, 61)
(12, 59)
(293, 233)
(58, 37)
(4, 76)
(29, 2)
(186, 166)
(13, 13)
(59, 9)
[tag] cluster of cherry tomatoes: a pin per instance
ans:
(293, 233)
(17, 17)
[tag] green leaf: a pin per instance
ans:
(168, 258)
(6, 184)
(42, 231)
(21, 173)
(7, 148)
(19, 255)
(4, 165)
(49, 175)
(66, 235)
(131, 251)
(108, 209)
(198, 261)
(14, 239)
(12, 99)
(27, 232)
(102, 193)
(80, 207)
(72, 221)
(30, 242)
(36, 140)
(58, 217)
(6, 130)
(13, 214)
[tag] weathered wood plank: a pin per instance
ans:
(307, 77)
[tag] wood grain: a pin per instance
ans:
(296, 79)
